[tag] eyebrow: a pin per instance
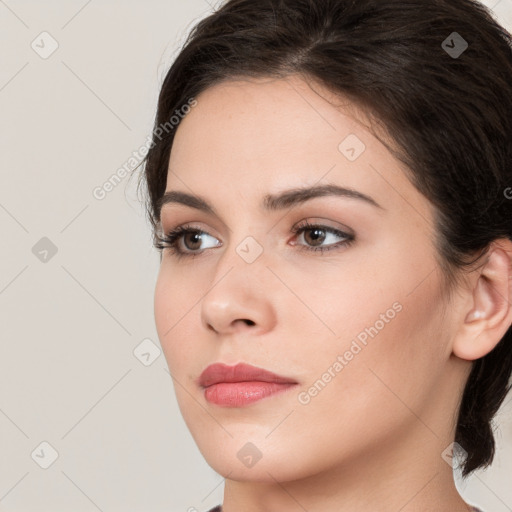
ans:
(270, 202)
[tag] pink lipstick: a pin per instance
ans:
(242, 384)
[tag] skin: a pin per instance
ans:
(373, 437)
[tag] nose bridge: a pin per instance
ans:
(239, 288)
(245, 248)
(242, 264)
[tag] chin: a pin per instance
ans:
(256, 459)
(267, 471)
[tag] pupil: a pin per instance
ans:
(197, 236)
(319, 235)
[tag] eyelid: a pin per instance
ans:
(171, 241)
(311, 220)
(325, 223)
(298, 227)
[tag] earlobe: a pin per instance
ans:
(490, 313)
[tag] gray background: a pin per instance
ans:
(73, 321)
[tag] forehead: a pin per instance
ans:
(275, 113)
(266, 135)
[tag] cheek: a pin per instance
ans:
(172, 305)
(391, 346)
(377, 393)
(387, 319)
(164, 304)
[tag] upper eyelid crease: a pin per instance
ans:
(275, 202)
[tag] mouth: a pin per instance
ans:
(240, 385)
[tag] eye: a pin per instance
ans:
(193, 237)
(320, 234)
(171, 241)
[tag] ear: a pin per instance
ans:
(489, 314)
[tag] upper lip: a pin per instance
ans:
(242, 372)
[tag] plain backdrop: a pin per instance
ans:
(88, 417)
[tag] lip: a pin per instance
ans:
(242, 384)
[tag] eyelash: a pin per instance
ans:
(170, 241)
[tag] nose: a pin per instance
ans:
(240, 296)
(221, 325)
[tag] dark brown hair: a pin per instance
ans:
(446, 107)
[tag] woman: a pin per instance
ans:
(335, 226)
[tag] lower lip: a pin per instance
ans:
(238, 394)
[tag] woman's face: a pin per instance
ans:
(360, 328)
